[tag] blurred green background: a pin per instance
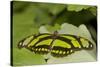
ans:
(27, 17)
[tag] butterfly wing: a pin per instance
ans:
(39, 44)
(58, 45)
(66, 44)
(79, 42)
(61, 47)
(42, 46)
(24, 42)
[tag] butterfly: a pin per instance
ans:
(58, 45)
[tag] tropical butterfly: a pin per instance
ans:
(58, 45)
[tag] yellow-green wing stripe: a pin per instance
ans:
(67, 41)
(73, 40)
(44, 42)
(86, 43)
(25, 41)
(76, 44)
(61, 43)
(35, 40)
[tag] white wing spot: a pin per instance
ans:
(87, 46)
(60, 52)
(71, 50)
(39, 49)
(36, 49)
(91, 45)
(64, 52)
(67, 52)
(42, 49)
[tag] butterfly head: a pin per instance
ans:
(55, 34)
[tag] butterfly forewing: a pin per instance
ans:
(78, 42)
(31, 40)
(25, 41)
(41, 44)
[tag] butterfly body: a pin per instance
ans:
(59, 45)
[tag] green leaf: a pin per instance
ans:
(93, 10)
(53, 28)
(42, 17)
(77, 7)
(25, 57)
(75, 18)
(49, 28)
(19, 6)
(53, 8)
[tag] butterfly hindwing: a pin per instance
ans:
(61, 48)
(43, 46)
